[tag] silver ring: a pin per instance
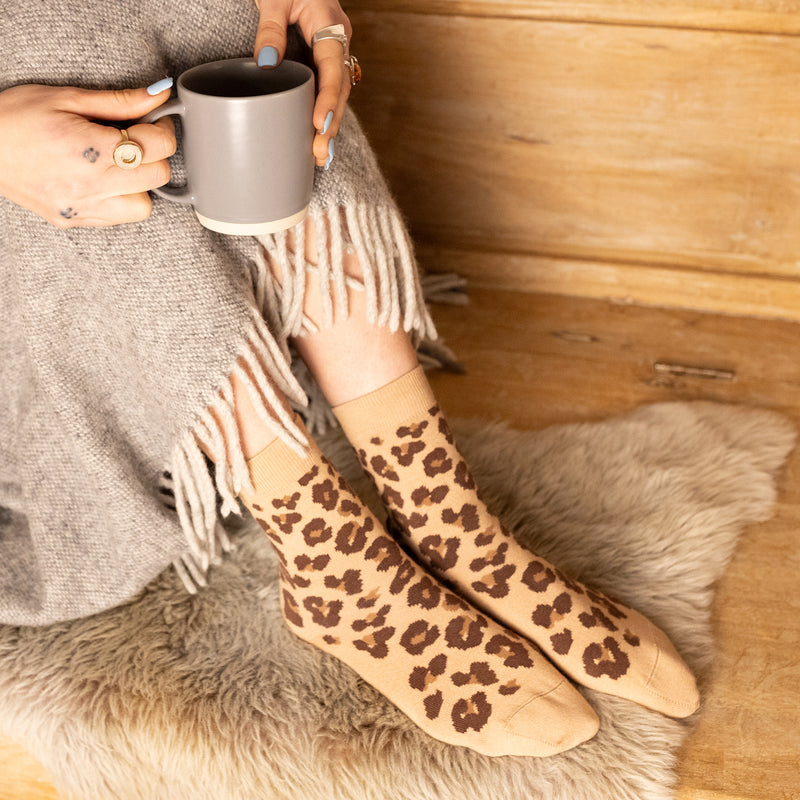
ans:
(331, 32)
(128, 154)
(351, 62)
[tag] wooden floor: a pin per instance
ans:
(535, 360)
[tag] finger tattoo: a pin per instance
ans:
(68, 213)
(91, 155)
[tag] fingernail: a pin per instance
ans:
(330, 154)
(267, 56)
(160, 86)
(327, 124)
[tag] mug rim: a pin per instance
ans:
(181, 85)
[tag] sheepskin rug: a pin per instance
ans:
(210, 697)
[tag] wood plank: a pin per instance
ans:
(536, 360)
(21, 776)
(760, 295)
(579, 141)
(767, 16)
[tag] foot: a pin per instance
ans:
(350, 590)
(405, 443)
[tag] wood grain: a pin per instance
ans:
(589, 142)
(644, 284)
(767, 16)
(21, 776)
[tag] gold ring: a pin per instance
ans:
(351, 62)
(128, 154)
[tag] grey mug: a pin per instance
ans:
(247, 139)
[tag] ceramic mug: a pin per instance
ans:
(247, 142)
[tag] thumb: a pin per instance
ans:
(118, 103)
(270, 44)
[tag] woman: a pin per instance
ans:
(136, 341)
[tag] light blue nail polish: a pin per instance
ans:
(327, 124)
(267, 56)
(160, 86)
(330, 154)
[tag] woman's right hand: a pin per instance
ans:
(58, 163)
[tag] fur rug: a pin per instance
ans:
(210, 697)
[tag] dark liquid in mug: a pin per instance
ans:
(243, 79)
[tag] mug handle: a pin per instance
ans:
(180, 194)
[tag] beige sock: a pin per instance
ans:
(349, 589)
(405, 443)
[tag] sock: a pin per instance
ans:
(349, 589)
(404, 442)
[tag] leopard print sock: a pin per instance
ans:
(350, 590)
(404, 442)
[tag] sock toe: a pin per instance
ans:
(553, 722)
(671, 688)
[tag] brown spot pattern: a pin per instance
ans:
(375, 643)
(291, 611)
(375, 620)
(467, 517)
(327, 614)
(433, 704)
(316, 532)
(287, 501)
(427, 497)
(422, 677)
(349, 583)
(546, 615)
(440, 554)
(404, 453)
(562, 642)
(425, 593)
(463, 632)
(512, 652)
(473, 713)
(495, 584)
(538, 576)
(419, 636)
(479, 673)
(437, 462)
(385, 552)
(605, 659)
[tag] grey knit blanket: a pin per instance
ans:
(116, 344)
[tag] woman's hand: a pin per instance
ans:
(334, 76)
(59, 164)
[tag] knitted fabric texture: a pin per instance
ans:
(117, 343)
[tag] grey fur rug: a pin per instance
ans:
(174, 697)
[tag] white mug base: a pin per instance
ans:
(252, 228)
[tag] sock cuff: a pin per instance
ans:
(277, 467)
(410, 395)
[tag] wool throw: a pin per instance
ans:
(117, 343)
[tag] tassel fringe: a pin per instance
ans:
(209, 469)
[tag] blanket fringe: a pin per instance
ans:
(202, 480)
(209, 469)
(377, 235)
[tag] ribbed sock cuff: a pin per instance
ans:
(407, 397)
(277, 467)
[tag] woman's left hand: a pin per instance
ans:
(334, 75)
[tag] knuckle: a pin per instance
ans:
(271, 29)
(121, 96)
